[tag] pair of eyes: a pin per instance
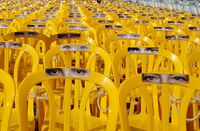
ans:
(112, 27)
(38, 21)
(73, 21)
(25, 34)
(6, 20)
(141, 22)
(122, 14)
(69, 36)
(173, 22)
(78, 27)
(98, 16)
(50, 16)
(167, 28)
(146, 50)
(36, 25)
(193, 28)
(157, 78)
(60, 72)
(146, 15)
(105, 21)
(177, 37)
(3, 25)
(2, 44)
(71, 47)
(160, 18)
(74, 16)
(125, 16)
(129, 36)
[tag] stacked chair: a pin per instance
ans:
(75, 65)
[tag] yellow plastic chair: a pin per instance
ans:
(128, 63)
(7, 99)
(141, 82)
(93, 77)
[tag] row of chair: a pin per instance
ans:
(85, 66)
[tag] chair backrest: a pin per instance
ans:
(78, 56)
(119, 41)
(76, 50)
(8, 99)
(180, 44)
(154, 61)
(107, 31)
(80, 74)
(35, 39)
(36, 27)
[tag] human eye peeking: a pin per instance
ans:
(178, 78)
(133, 50)
(2, 45)
(83, 47)
(54, 72)
(151, 50)
(15, 45)
(66, 47)
(151, 78)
